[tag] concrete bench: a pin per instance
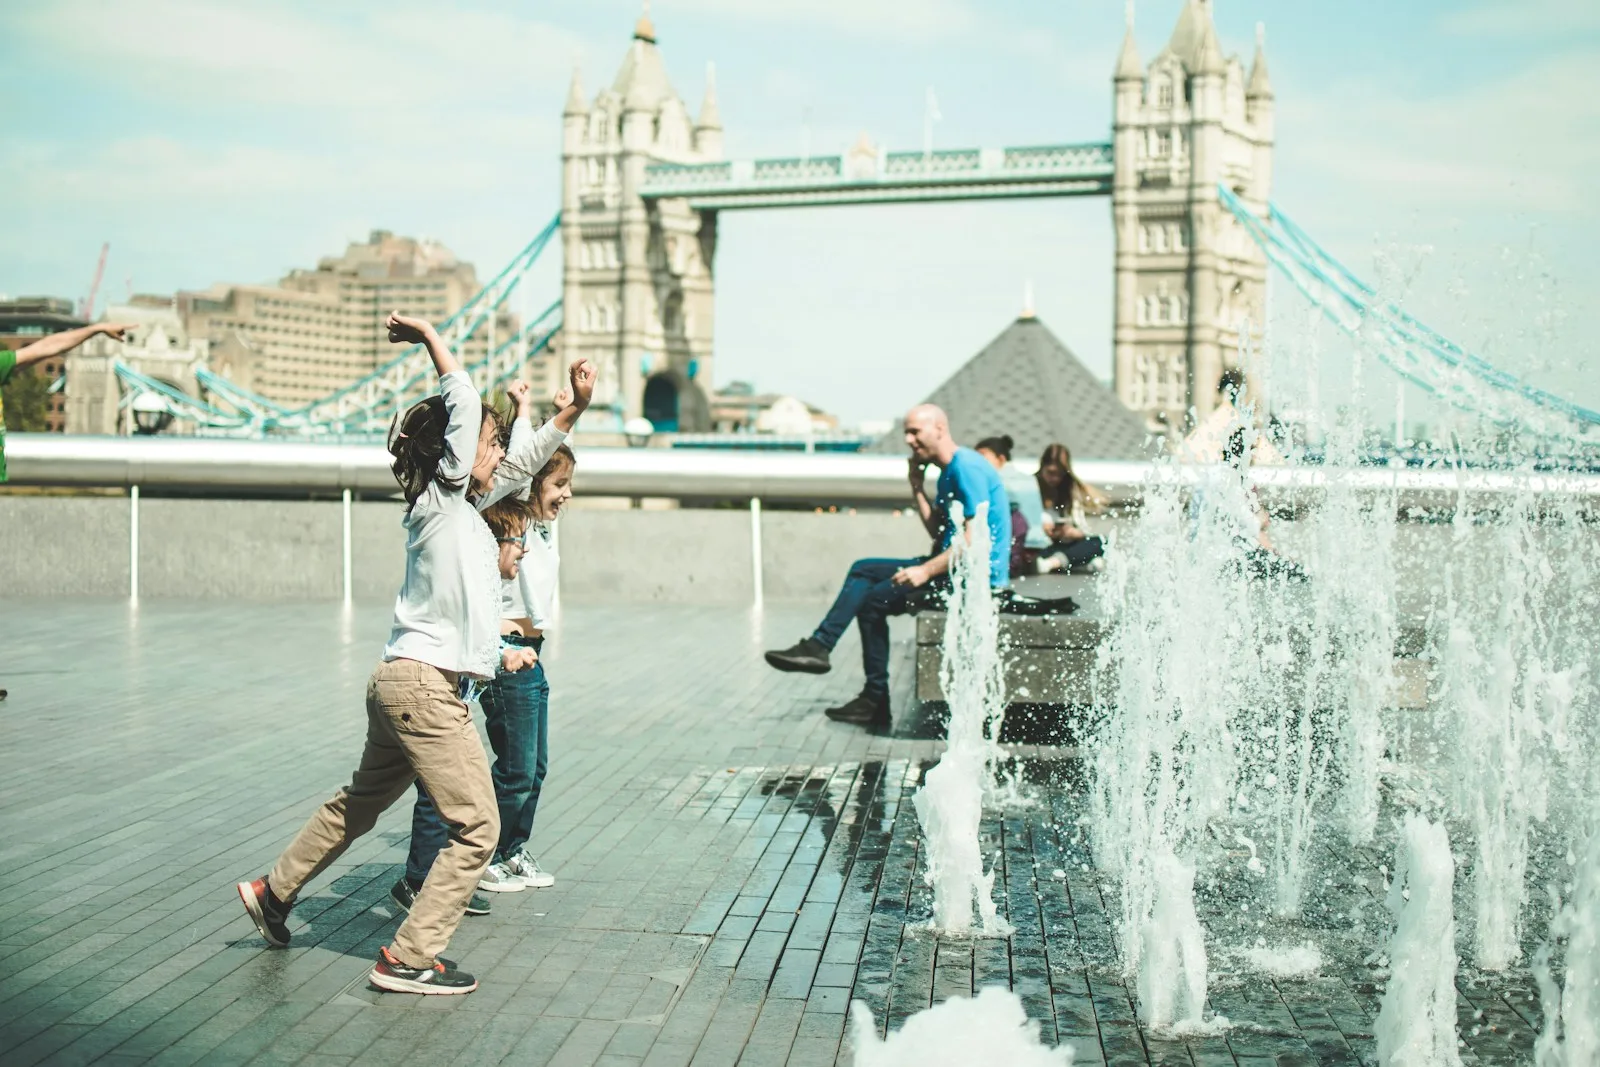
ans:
(1051, 660)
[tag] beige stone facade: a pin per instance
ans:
(636, 280)
(318, 330)
(1190, 283)
(157, 347)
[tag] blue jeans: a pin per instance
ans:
(868, 597)
(516, 707)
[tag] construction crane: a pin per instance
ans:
(86, 309)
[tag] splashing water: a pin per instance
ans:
(990, 1028)
(1571, 1035)
(1164, 753)
(1417, 1022)
(950, 803)
(1172, 964)
(1500, 697)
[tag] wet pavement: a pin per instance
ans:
(732, 868)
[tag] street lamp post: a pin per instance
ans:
(638, 430)
(151, 413)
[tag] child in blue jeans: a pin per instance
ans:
(519, 509)
(516, 706)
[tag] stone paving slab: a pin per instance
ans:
(733, 869)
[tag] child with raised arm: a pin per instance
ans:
(445, 639)
(514, 702)
(516, 707)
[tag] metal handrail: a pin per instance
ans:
(252, 466)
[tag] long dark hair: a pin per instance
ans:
(1057, 497)
(416, 441)
(562, 459)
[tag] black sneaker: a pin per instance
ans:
(404, 896)
(864, 709)
(389, 973)
(270, 914)
(808, 657)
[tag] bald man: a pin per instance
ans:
(878, 588)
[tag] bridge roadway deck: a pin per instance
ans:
(733, 868)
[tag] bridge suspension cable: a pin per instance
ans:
(367, 405)
(1415, 351)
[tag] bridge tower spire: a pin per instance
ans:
(636, 276)
(1189, 282)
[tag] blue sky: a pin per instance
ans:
(1449, 148)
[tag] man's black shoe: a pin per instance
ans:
(864, 709)
(404, 896)
(807, 657)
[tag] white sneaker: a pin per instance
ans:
(501, 878)
(527, 868)
(1048, 564)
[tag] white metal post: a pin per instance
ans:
(555, 543)
(133, 543)
(348, 576)
(1400, 415)
(755, 548)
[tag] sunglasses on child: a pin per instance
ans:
(521, 540)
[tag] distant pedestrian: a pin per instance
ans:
(445, 641)
(516, 704)
(46, 347)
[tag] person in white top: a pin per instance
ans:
(445, 635)
(516, 706)
(514, 701)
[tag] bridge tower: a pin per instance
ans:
(636, 276)
(1189, 280)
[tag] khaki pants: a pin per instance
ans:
(416, 728)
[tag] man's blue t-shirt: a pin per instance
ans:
(973, 480)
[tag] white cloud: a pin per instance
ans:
(1523, 18)
(338, 60)
(1528, 142)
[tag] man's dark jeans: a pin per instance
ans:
(516, 708)
(869, 597)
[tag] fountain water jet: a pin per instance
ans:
(1172, 963)
(1571, 1034)
(950, 803)
(1496, 690)
(990, 1028)
(1417, 1022)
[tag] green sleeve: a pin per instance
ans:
(8, 363)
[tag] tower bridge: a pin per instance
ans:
(643, 183)
(1188, 171)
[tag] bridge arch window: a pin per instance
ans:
(661, 403)
(1163, 92)
(1178, 309)
(1144, 238)
(1160, 144)
(1161, 238)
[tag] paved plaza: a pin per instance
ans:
(733, 868)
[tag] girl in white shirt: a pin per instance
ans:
(516, 729)
(446, 635)
(516, 705)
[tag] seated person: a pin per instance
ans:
(875, 589)
(1066, 500)
(1207, 441)
(1028, 538)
